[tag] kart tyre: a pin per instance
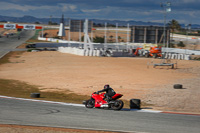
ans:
(90, 103)
(178, 86)
(135, 103)
(118, 105)
(35, 95)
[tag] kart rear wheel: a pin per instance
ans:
(118, 105)
(90, 103)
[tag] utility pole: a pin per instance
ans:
(166, 8)
(105, 34)
(127, 33)
(116, 32)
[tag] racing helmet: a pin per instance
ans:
(106, 86)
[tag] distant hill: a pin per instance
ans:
(24, 19)
(124, 23)
(31, 19)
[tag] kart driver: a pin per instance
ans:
(109, 93)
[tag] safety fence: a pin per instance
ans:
(176, 56)
(78, 51)
(57, 40)
(95, 52)
(168, 53)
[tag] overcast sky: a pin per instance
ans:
(185, 11)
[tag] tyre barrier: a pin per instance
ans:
(80, 52)
(135, 103)
(35, 95)
(178, 86)
(176, 56)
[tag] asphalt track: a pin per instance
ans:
(23, 112)
(10, 43)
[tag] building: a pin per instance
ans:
(78, 25)
(150, 34)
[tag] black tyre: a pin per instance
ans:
(118, 105)
(155, 56)
(135, 103)
(178, 86)
(90, 103)
(35, 95)
(147, 55)
(84, 102)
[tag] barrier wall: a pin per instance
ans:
(80, 52)
(176, 56)
(169, 53)
(57, 40)
(180, 51)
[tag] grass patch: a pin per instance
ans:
(20, 89)
(14, 88)
(15, 54)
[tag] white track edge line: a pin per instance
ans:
(73, 104)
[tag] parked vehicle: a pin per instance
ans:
(31, 46)
(98, 101)
(153, 51)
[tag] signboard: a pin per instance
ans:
(78, 26)
(29, 27)
(10, 26)
(18, 26)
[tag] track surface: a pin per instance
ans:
(10, 43)
(20, 112)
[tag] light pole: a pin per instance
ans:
(127, 33)
(167, 8)
(105, 34)
(116, 33)
(187, 27)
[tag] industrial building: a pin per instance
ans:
(150, 34)
(78, 25)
